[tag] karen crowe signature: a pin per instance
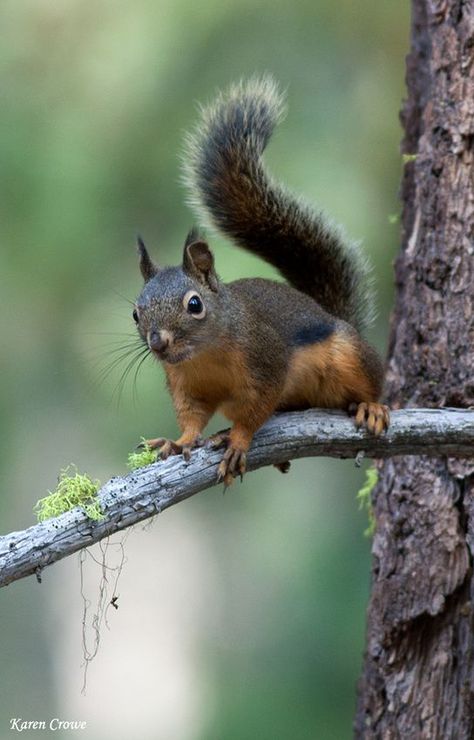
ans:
(20, 725)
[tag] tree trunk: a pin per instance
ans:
(418, 676)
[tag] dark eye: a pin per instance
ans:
(194, 305)
(135, 315)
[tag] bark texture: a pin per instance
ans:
(418, 676)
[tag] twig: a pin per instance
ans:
(146, 492)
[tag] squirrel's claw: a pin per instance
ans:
(218, 440)
(375, 417)
(221, 439)
(167, 447)
(233, 463)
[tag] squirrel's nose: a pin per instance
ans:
(158, 340)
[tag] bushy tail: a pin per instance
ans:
(231, 190)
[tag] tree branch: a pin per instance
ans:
(148, 491)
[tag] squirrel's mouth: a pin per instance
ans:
(173, 355)
(160, 355)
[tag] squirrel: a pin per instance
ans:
(252, 347)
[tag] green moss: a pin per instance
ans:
(364, 497)
(72, 490)
(141, 458)
(406, 158)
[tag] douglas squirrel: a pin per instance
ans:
(253, 347)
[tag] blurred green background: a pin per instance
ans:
(241, 616)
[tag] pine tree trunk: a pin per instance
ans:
(418, 676)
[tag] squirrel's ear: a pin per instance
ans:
(147, 266)
(198, 261)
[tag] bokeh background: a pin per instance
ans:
(240, 616)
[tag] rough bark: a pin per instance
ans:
(148, 491)
(418, 675)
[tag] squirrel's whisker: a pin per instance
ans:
(121, 383)
(114, 347)
(126, 354)
(135, 376)
(123, 297)
(105, 360)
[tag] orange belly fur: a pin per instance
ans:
(327, 374)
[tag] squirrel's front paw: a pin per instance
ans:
(166, 448)
(233, 463)
(375, 417)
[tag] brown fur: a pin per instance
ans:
(219, 380)
(259, 345)
(328, 375)
(253, 354)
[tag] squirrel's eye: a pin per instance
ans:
(194, 305)
(135, 315)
